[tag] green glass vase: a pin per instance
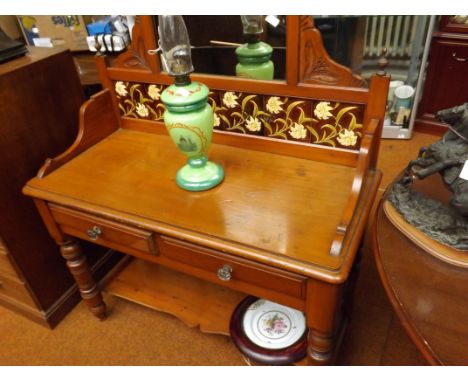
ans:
(254, 61)
(189, 121)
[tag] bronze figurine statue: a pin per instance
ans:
(447, 156)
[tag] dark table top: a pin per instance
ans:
(429, 296)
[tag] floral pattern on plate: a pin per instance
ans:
(273, 326)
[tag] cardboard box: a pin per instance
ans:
(64, 31)
(10, 26)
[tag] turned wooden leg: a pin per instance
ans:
(320, 348)
(323, 303)
(76, 262)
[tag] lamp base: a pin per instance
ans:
(199, 175)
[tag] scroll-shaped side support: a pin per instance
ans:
(315, 65)
(368, 154)
(362, 168)
(97, 121)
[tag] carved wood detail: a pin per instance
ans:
(136, 56)
(315, 65)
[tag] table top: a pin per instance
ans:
(428, 295)
(276, 209)
(34, 54)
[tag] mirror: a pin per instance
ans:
(214, 40)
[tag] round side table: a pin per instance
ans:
(428, 295)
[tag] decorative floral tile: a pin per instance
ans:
(287, 118)
(141, 101)
(315, 121)
(338, 125)
(239, 112)
(213, 100)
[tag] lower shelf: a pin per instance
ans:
(195, 302)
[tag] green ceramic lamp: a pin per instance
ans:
(188, 117)
(254, 56)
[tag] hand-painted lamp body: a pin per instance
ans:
(254, 56)
(188, 117)
(189, 121)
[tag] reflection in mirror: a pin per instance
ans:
(254, 55)
(214, 41)
(356, 42)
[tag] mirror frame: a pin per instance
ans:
(310, 74)
(307, 61)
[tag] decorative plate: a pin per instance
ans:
(273, 326)
(268, 333)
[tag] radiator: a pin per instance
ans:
(396, 33)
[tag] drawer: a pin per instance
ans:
(118, 236)
(6, 267)
(207, 263)
(16, 290)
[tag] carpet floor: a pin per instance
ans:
(136, 335)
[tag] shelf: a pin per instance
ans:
(193, 301)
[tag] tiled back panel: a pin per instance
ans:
(314, 121)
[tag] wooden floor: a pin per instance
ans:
(135, 335)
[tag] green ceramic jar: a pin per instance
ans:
(189, 121)
(254, 61)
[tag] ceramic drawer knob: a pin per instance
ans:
(94, 232)
(225, 273)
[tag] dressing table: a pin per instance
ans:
(285, 224)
